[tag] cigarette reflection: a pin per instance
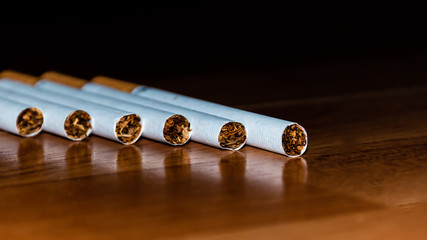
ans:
(129, 158)
(233, 169)
(30, 152)
(129, 174)
(78, 153)
(294, 174)
(177, 166)
(21, 159)
(78, 159)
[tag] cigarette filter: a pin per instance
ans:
(21, 119)
(107, 122)
(20, 77)
(159, 125)
(63, 79)
(276, 135)
(207, 129)
(60, 120)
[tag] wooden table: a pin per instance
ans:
(363, 177)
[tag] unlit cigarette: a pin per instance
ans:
(208, 129)
(21, 119)
(276, 135)
(110, 123)
(159, 125)
(64, 121)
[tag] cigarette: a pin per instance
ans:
(21, 119)
(167, 127)
(207, 129)
(110, 123)
(71, 123)
(273, 134)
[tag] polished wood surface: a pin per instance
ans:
(364, 176)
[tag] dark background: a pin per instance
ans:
(234, 57)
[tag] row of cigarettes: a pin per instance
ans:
(122, 111)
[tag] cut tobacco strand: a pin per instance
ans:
(294, 140)
(177, 130)
(78, 125)
(232, 135)
(128, 128)
(29, 121)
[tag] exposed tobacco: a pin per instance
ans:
(294, 140)
(29, 121)
(232, 135)
(177, 129)
(128, 129)
(78, 125)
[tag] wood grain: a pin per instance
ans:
(363, 177)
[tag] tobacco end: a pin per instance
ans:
(128, 128)
(115, 83)
(177, 130)
(78, 125)
(29, 121)
(20, 77)
(294, 140)
(64, 79)
(232, 135)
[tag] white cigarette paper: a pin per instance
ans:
(21, 119)
(207, 128)
(107, 122)
(159, 125)
(60, 120)
(276, 135)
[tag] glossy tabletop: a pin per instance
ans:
(364, 176)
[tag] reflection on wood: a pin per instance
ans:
(129, 158)
(30, 152)
(233, 169)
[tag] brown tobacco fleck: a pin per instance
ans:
(232, 135)
(294, 140)
(129, 128)
(78, 125)
(29, 121)
(177, 130)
